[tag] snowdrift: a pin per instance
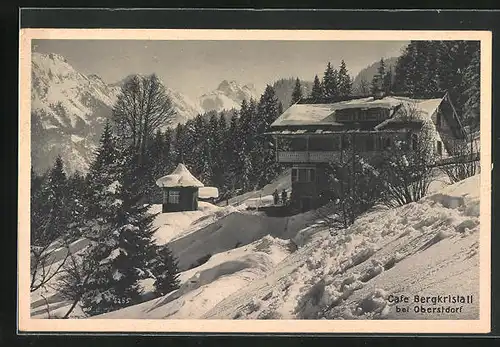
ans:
(203, 287)
(424, 248)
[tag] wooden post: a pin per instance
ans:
(276, 146)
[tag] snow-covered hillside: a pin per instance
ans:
(311, 272)
(242, 264)
(69, 110)
(227, 96)
(426, 248)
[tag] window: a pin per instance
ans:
(173, 196)
(303, 175)
(440, 148)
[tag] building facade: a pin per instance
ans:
(311, 137)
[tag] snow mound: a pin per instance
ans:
(234, 229)
(425, 248)
(203, 287)
(174, 225)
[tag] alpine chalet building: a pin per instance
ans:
(309, 136)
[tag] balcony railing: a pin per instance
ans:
(308, 156)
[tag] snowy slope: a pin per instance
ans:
(239, 264)
(424, 248)
(203, 287)
(227, 96)
(69, 110)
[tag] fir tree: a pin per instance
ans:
(233, 147)
(330, 83)
(124, 247)
(344, 81)
(264, 164)
(50, 220)
(387, 82)
(378, 78)
(297, 92)
(317, 90)
(102, 173)
(164, 268)
(473, 82)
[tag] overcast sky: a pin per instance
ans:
(197, 67)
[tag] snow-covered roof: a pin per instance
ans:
(413, 110)
(208, 192)
(180, 177)
(324, 114)
(312, 114)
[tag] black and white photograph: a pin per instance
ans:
(252, 178)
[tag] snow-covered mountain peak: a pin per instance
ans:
(68, 106)
(228, 95)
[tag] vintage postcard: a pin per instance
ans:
(274, 181)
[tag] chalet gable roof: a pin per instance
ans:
(316, 114)
(324, 114)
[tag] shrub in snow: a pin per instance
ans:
(373, 271)
(269, 314)
(405, 169)
(467, 225)
(375, 302)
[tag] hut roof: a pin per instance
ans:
(180, 177)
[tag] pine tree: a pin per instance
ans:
(164, 268)
(178, 143)
(218, 128)
(330, 83)
(317, 90)
(297, 92)
(264, 165)
(50, 222)
(102, 174)
(234, 144)
(124, 247)
(344, 81)
(77, 190)
(378, 78)
(387, 82)
(473, 82)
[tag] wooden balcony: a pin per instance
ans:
(308, 156)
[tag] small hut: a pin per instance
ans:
(180, 190)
